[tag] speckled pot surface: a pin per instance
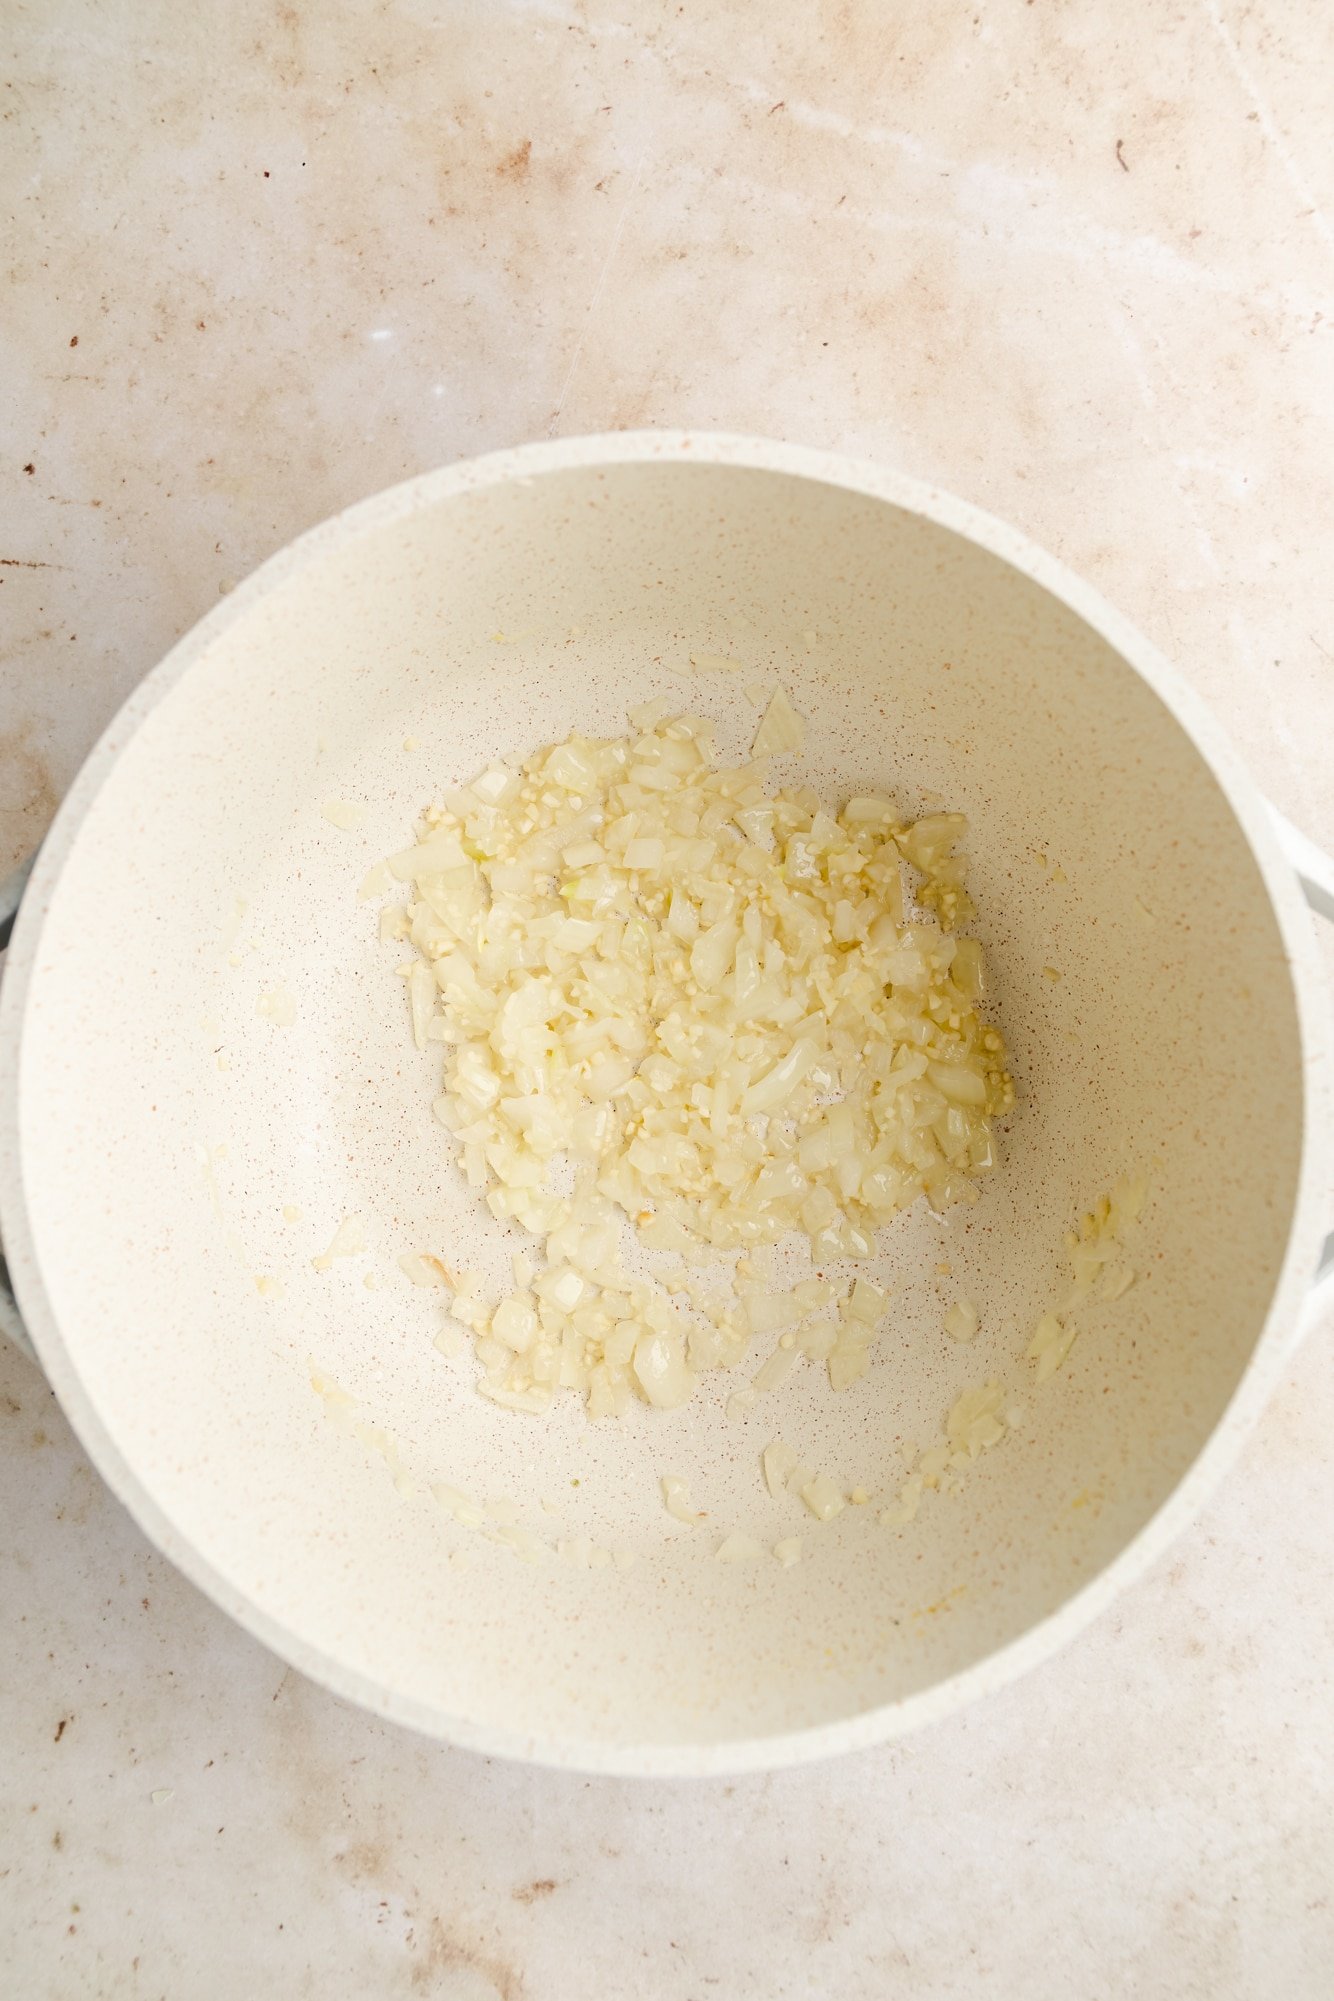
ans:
(164, 1142)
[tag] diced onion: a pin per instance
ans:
(344, 813)
(779, 1461)
(702, 1005)
(819, 1338)
(770, 1313)
(774, 1372)
(348, 1241)
(1051, 1343)
(905, 1508)
(1097, 1268)
(823, 1497)
(962, 1320)
(847, 1364)
(660, 1369)
(377, 882)
(781, 729)
(423, 1270)
(866, 1302)
(738, 1548)
(976, 1421)
(676, 1499)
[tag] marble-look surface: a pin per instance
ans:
(1072, 261)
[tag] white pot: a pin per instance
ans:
(489, 607)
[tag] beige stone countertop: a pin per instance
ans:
(1067, 258)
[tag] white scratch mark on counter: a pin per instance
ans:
(1297, 180)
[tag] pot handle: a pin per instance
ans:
(11, 895)
(11, 1320)
(1311, 865)
(1315, 872)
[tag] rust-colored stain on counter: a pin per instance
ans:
(515, 165)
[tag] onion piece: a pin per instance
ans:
(676, 1499)
(423, 1269)
(822, 1497)
(348, 1241)
(905, 1508)
(781, 730)
(1051, 1343)
(660, 1369)
(774, 1372)
(779, 1462)
(866, 1302)
(962, 1320)
(344, 813)
(847, 1365)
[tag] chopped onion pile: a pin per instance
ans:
(718, 1007)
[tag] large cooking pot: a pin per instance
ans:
(165, 1141)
